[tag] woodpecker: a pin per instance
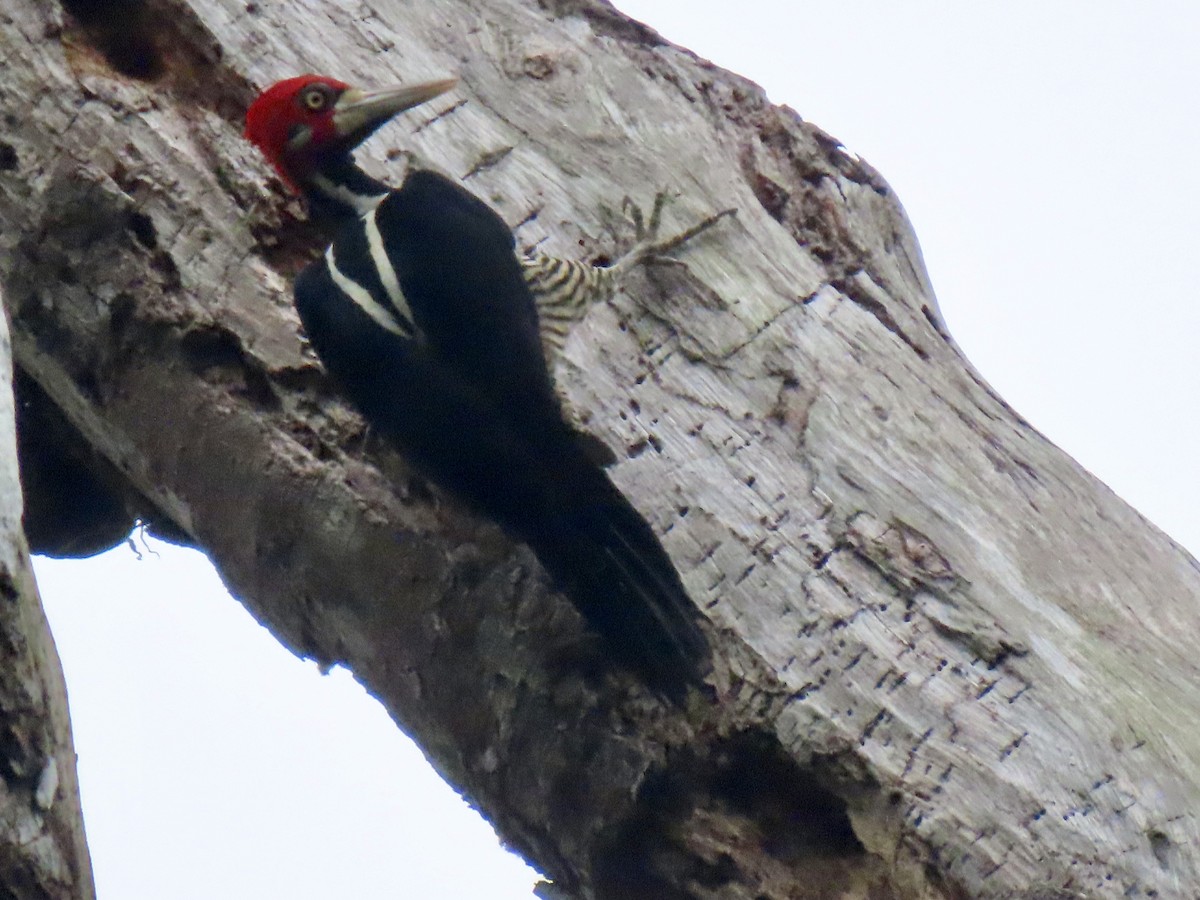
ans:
(313, 154)
(423, 313)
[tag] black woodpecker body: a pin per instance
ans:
(422, 312)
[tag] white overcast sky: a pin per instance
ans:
(1048, 155)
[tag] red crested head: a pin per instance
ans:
(303, 122)
(292, 120)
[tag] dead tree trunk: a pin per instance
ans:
(955, 664)
(43, 852)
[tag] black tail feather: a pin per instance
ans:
(608, 560)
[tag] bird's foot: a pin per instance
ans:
(649, 248)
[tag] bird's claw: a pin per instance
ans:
(657, 259)
(648, 247)
(646, 231)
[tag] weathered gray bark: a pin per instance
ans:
(43, 851)
(954, 663)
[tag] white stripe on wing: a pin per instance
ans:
(362, 298)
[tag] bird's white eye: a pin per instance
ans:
(315, 99)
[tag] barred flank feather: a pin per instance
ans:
(564, 290)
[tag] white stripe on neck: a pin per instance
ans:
(362, 298)
(383, 265)
(360, 203)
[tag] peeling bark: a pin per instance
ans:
(954, 663)
(43, 851)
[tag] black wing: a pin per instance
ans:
(456, 264)
(466, 396)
